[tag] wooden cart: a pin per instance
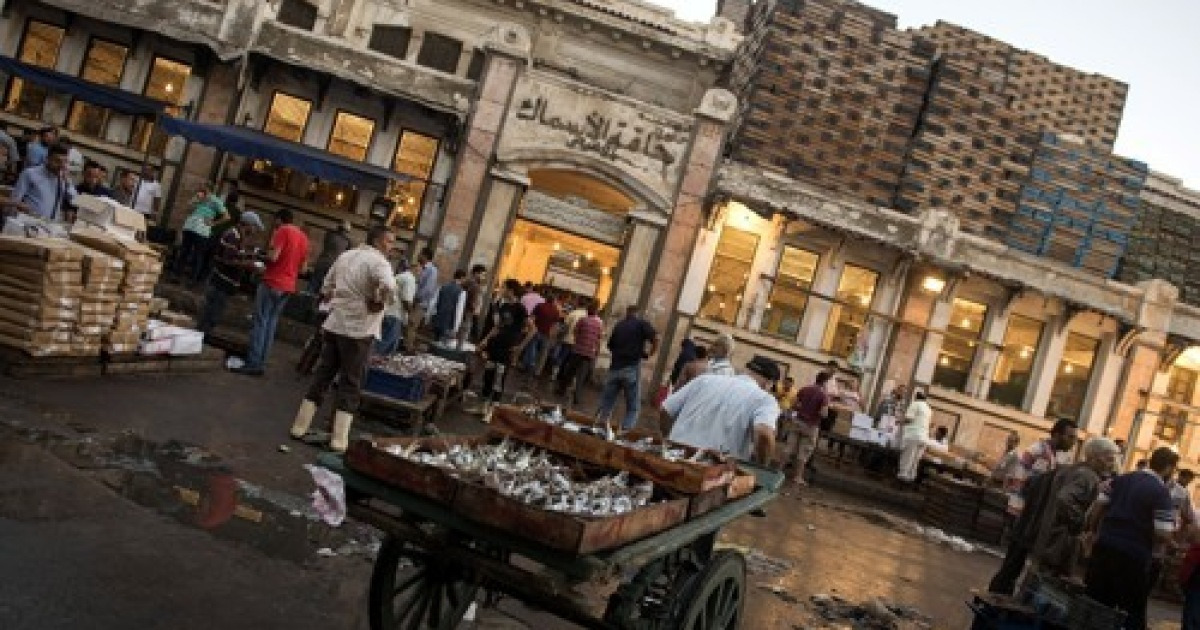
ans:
(434, 563)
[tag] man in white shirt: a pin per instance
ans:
(147, 195)
(358, 288)
(728, 414)
(396, 316)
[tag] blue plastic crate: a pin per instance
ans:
(384, 383)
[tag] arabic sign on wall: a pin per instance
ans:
(550, 119)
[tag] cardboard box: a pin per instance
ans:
(190, 342)
(155, 346)
(106, 214)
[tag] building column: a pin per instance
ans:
(1106, 373)
(1045, 369)
(631, 278)
(816, 310)
(979, 381)
(505, 190)
(931, 347)
(888, 298)
(508, 51)
(715, 110)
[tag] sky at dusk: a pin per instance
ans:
(1152, 46)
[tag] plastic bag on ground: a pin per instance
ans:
(329, 499)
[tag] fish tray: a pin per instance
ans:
(369, 458)
(681, 476)
(566, 532)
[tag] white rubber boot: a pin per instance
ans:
(341, 431)
(304, 418)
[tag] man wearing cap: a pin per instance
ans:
(728, 414)
(233, 258)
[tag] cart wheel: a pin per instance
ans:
(411, 588)
(714, 598)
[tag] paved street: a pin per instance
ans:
(111, 516)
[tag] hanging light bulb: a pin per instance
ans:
(945, 360)
(1068, 368)
(575, 264)
(966, 322)
(712, 287)
(864, 300)
(170, 88)
(588, 255)
(1024, 353)
(557, 246)
(605, 271)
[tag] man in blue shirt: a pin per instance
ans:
(627, 343)
(1134, 514)
(44, 190)
(38, 150)
(427, 288)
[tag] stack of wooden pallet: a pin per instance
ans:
(1046, 96)
(102, 277)
(831, 92)
(971, 150)
(1079, 204)
(40, 295)
(1163, 241)
(135, 290)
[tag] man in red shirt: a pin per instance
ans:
(546, 317)
(289, 249)
(577, 369)
(804, 424)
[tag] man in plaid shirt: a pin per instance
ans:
(1041, 457)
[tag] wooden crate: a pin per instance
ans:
(566, 532)
(367, 457)
(681, 476)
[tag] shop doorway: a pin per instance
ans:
(566, 263)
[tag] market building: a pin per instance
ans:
(955, 242)
(563, 143)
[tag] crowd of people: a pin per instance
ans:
(47, 172)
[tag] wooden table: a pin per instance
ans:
(419, 409)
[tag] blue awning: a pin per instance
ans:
(252, 143)
(113, 98)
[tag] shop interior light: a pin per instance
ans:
(933, 284)
(966, 322)
(557, 246)
(170, 87)
(1024, 353)
(864, 300)
(945, 360)
(588, 255)
(606, 271)
(1068, 368)
(712, 287)
(575, 263)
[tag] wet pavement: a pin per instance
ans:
(166, 502)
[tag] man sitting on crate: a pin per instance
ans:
(727, 414)
(358, 288)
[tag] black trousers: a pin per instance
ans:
(1005, 580)
(344, 358)
(1117, 579)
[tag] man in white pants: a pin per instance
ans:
(915, 437)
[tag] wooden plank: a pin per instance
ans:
(680, 476)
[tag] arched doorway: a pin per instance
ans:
(567, 235)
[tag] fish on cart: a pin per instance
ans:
(534, 477)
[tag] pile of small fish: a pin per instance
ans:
(534, 477)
